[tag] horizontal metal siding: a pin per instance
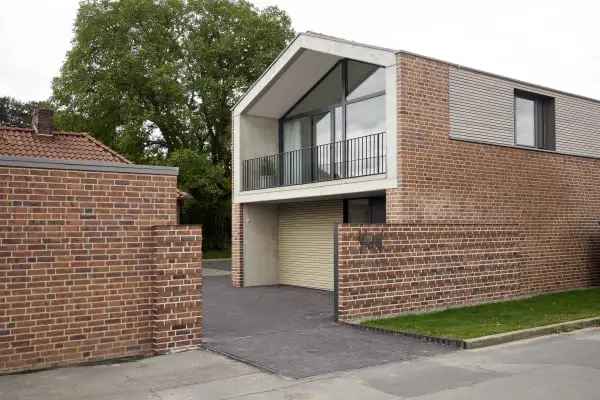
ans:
(481, 109)
(306, 243)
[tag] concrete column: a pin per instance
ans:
(261, 244)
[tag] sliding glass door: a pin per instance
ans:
(307, 149)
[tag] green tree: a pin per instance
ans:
(210, 187)
(17, 113)
(151, 76)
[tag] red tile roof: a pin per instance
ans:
(22, 142)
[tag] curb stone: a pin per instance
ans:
(490, 340)
(561, 327)
(435, 339)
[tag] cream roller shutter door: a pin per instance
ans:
(306, 243)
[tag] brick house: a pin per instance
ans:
(404, 183)
(92, 262)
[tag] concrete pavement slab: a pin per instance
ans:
(545, 383)
(129, 380)
(336, 388)
(226, 388)
(578, 352)
(411, 379)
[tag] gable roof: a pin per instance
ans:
(301, 64)
(24, 142)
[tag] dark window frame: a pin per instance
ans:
(372, 200)
(543, 120)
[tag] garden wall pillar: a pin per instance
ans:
(177, 288)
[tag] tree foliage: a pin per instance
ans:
(139, 67)
(210, 187)
(16, 113)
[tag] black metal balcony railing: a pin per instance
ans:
(351, 158)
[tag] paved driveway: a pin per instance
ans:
(290, 331)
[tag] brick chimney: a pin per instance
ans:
(42, 121)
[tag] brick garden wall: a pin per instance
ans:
(390, 269)
(84, 276)
(551, 200)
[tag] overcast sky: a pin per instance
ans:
(554, 44)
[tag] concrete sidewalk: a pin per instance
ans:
(565, 366)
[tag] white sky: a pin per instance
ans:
(552, 43)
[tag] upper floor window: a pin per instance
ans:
(328, 91)
(534, 120)
(342, 119)
(364, 80)
(350, 96)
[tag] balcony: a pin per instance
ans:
(351, 158)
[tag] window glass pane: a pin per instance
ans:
(296, 147)
(378, 210)
(322, 129)
(524, 121)
(358, 211)
(364, 149)
(322, 150)
(339, 133)
(296, 134)
(364, 79)
(326, 93)
(365, 117)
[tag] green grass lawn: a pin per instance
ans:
(490, 319)
(208, 254)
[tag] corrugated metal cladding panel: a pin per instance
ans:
(481, 108)
(306, 243)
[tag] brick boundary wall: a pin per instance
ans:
(177, 288)
(237, 245)
(79, 268)
(390, 269)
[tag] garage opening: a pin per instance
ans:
(306, 243)
(293, 243)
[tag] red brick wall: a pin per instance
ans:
(177, 303)
(552, 200)
(77, 264)
(391, 269)
(237, 245)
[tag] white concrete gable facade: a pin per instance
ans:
(256, 116)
